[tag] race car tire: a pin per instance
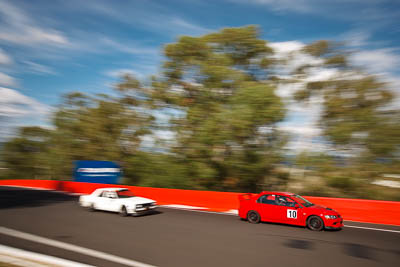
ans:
(315, 223)
(123, 212)
(92, 207)
(253, 217)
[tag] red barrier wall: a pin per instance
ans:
(372, 211)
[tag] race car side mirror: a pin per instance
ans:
(296, 206)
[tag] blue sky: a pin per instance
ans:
(48, 48)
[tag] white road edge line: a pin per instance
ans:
(28, 258)
(375, 229)
(74, 248)
(202, 211)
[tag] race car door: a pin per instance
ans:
(287, 211)
(268, 208)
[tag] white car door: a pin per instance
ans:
(114, 202)
(103, 201)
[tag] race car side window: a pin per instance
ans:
(104, 194)
(285, 201)
(267, 199)
(261, 199)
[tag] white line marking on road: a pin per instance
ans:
(184, 207)
(27, 258)
(375, 229)
(387, 224)
(202, 211)
(74, 248)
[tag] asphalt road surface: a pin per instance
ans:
(173, 237)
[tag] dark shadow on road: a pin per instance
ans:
(283, 224)
(333, 230)
(13, 197)
(149, 213)
(294, 226)
(299, 244)
(359, 251)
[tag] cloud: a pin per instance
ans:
(292, 50)
(38, 68)
(286, 47)
(325, 8)
(17, 110)
(19, 28)
(15, 104)
(128, 48)
(7, 80)
(4, 58)
(182, 25)
(301, 130)
(278, 5)
(356, 38)
(378, 60)
(149, 15)
(117, 73)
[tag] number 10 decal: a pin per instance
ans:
(292, 214)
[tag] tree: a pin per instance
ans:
(357, 114)
(221, 83)
(101, 127)
(25, 155)
(359, 118)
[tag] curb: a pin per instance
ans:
(24, 258)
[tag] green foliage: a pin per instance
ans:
(341, 182)
(25, 156)
(224, 89)
(318, 48)
(336, 60)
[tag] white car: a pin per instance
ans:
(119, 200)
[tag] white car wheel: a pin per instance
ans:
(123, 212)
(92, 207)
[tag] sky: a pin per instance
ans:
(49, 48)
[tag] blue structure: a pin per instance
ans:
(101, 172)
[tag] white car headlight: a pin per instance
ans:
(330, 217)
(139, 206)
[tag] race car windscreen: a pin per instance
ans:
(125, 193)
(301, 200)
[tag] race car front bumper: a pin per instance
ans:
(143, 210)
(334, 224)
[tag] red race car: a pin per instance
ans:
(288, 208)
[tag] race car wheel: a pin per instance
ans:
(315, 223)
(123, 212)
(92, 208)
(253, 216)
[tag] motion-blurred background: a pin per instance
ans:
(228, 95)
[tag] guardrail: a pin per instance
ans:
(361, 210)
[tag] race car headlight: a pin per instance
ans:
(139, 206)
(153, 203)
(330, 216)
